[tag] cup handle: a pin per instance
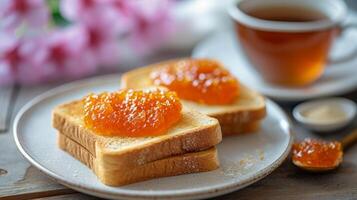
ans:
(351, 54)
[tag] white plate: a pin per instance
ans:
(244, 159)
(337, 78)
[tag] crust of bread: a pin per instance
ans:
(249, 107)
(114, 175)
(194, 132)
(238, 129)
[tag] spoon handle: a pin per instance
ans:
(349, 139)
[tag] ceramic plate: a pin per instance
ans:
(244, 159)
(337, 79)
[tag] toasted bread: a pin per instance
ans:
(248, 108)
(245, 128)
(194, 132)
(114, 175)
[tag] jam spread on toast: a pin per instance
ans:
(316, 153)
(132, 113)
(200, 80)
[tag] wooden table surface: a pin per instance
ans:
(20, 180)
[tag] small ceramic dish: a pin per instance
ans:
(344, 105)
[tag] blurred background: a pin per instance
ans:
(59, 40)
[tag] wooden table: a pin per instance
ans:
(20, 180)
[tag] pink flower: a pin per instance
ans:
(145, 23)
(66, 56)
(124, 10)
(78, 10)
(85, 11)
(102, 42)
(63, 54)
(15, 12)
(9, 56)
(18, 61)
(78, 50)
(123, 7)
(152, 24)
(101, 38)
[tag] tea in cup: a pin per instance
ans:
(288, 41)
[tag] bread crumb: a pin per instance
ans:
(191, 163)
(142, 157)
(261, 154)
(75, 173)
(243, 166)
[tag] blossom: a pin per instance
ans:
(62, 54)
(19, 61)
(33, 13)
(99, 28)
(101, 37)
(87, 11)
(123, 7)
(101, 24)
(102, 43)
(65, 55)
(124, 10)
(8, 57)
(152, 24)
(145, 23)
(78, 10)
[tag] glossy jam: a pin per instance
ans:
(317, 153)
(200, 80)
(132, 113)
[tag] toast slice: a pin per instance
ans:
(114, 175)
(245, 128)
(248, 108)
(194, 132)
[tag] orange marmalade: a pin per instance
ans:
(200, 80)
(132, 113)
(317, 153)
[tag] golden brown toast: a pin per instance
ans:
(248, 108)
(233, 129)
(194, 132)
(114, 175)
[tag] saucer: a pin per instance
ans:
(338, 78)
